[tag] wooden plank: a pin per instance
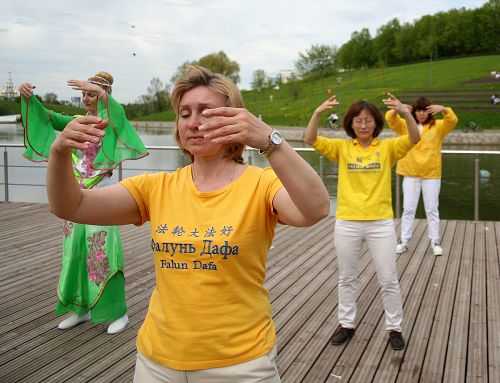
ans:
(493, 298)
(477, 353)
(432, 369)
(456, 357)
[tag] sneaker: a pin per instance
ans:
(342, 335)
(401, 247)
(436, 248)
(118, 325)
(396, 340)
(73, 321)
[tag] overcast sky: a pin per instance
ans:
(48, 42)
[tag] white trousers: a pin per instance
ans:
(380, 237)
(430, 188)
(260, 370)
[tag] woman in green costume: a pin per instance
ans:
(92, 283)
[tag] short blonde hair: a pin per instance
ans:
(195, 76)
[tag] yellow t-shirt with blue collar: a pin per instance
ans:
(364, 175)
(209, 308)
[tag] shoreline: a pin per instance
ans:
(457, 137)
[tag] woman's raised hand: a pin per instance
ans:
(79, 133)
(235, 125)
(86, 86)
(327, 105)
(26, 90)
(393, 103)
(435, 109)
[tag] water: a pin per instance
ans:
(27, 179)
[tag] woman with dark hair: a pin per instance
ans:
(421, 168)
(364, 207)
(212, 223)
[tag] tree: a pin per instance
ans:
(318, 61)
(385, 42)
(220, 63)
(259, 79)
(180, 70)
(216, 62)
(159, 95)
(50, 98)
(295, 86)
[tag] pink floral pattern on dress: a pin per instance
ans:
(67, 228)
(97, 261)
(88, 159)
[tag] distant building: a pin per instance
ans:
(76, 101)
(9, 92)
(286, 75)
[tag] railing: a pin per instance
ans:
(251, 157)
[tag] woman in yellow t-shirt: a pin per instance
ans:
(212, 223)
(421, 168)
(364, 207)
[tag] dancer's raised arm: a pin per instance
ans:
(112, 205)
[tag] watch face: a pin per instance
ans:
(276, 138)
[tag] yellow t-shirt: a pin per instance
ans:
(209, 307)
(424, 160)
(364, 180)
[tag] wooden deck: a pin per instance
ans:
(451, 307)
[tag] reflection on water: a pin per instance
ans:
(27, 179)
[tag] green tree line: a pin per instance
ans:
(457, 32)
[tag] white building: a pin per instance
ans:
(76, 101)
(9, 92)
(286, 75)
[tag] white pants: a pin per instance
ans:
(260, 370)
(380, 237)
(430, 188)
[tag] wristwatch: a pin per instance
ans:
(275, 141)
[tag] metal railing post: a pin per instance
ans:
(250, 157)
(476, 190)
(398, 196)
(120, 172)
(6, 174)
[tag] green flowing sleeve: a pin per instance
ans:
(121, 142)
(39, 128)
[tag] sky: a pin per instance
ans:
(47, 42)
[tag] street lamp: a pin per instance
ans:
(339, 81)
(259, 116)
(430, 67)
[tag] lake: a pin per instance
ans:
(27, 179)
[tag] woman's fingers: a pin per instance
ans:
(76, 84)
(230, 125)
(26, 90)
(224, 111)
(84, 129)
(217, 122)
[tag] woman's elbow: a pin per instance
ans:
(308, 139)
(320, 212)
(60, 212)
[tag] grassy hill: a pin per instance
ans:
(462, 83)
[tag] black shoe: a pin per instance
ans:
(342, 335)
(396, 340)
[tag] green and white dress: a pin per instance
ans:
(92, 267)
